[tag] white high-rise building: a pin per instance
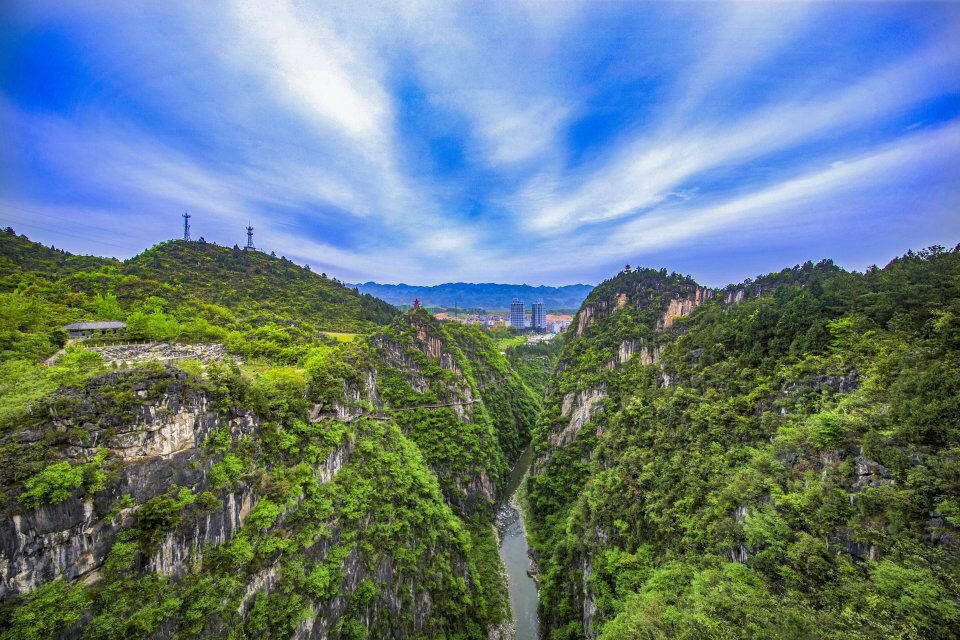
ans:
(538, 317)
(516, 314)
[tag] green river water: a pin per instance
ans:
(513, 552)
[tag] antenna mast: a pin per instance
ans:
(250, 237)
(186, 225)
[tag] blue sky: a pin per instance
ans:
(545, 143)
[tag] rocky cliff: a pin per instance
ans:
(354, 502)
(742, 463)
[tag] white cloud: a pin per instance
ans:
(747, 35)
(284, 110)
(795, 202)
(319, 73)
(647, 170)
(509, 130)
(493, 68)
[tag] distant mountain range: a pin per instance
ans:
(485, 295)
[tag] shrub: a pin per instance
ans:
(46, 610)
(57, 481)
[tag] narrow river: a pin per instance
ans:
(513, 552)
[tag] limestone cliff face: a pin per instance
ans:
(578, 408)
(158, 448)
(155, 446)
(158, 441)
(442, 379)
(678, 307)
(628, 321)
(629, 318)
(585, 317)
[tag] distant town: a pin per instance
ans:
(534, 320)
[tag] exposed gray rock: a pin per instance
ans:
(940, 531)
(870, 474)
(163, 351)
(580, 408)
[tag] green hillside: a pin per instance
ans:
(259, 284)
(187, 290)
(345, 486)
(259, 306)
(782, 460)
(20, 254)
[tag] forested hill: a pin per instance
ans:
(777, 459)
(256, 281)
(279, 481)
(253, 286)
(20, 254)
(484, 295)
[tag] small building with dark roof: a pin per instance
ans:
(86, 329)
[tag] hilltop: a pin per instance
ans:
(258, 282)
(252, 286)
(20, 254)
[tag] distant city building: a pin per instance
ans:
(557, 322)
(558, 327)
(516, 314)
(538, 317)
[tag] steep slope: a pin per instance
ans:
(777, 459)
(321, 487)
(350, 498)
(207, 518)
(535, 363)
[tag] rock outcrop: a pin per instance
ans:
(158, 445)
(579, 408)
(678, 307)
(129, 354)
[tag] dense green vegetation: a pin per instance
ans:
(463, 440)
(782, 462)
(535, 363)
(176, 290)
(260, 285)
(403, 521)
(789, 468)
(260, 307)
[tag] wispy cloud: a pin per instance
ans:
(646, 171)
(520, 141)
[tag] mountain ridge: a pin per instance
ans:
(484, 295)
(301, 483)
(771, 459)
